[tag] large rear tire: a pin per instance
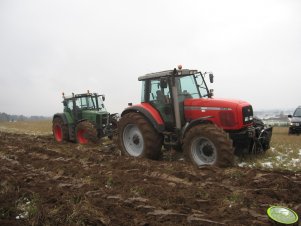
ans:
(208, 144)
(86, 133)
(60, 130)
(138, 138)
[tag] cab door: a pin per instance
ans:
(159, 97)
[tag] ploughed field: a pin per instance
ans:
(45, 183)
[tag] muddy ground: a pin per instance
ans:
(45, 183)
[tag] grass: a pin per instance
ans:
(284, 154)
(43, 127)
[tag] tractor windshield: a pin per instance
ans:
(90, 102)
(297, 113)
(193, 86)
(202, 86)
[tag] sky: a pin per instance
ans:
(253, 48)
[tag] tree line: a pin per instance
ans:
(13, 118)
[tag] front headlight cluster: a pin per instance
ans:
(247, 119)
(294, 123)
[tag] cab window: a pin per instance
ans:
(157, 93)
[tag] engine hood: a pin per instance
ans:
(226, 113)
(216, 103)
(94, 112)
(295, 119)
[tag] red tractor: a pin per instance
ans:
(178, 110)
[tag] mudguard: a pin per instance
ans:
(150, 113)
(62, 116)
(194, 123)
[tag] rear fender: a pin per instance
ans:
(198, 121)
(62, 116)
(150, 113)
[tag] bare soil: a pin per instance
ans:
(46, 183)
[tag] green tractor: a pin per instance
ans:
(84, 120)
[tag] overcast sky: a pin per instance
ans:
(49, 47)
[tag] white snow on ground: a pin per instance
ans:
(242, 164)
(267, 165)
(274, 159)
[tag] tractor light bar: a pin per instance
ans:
(187, 72)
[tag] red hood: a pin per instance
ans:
(211, 102)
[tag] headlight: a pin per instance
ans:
(247, 119)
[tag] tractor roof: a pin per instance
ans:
(88, 94)
(166, 74)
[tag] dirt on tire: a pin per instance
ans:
(86, 133)
(46, 183)
(221, 141)
(149, 139)
(60, 130)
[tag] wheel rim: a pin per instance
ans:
(58, 133)
(203, 151)
(133, 140)
(80, 136)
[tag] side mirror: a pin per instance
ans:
(211, 93)
(211, 77)
(289, 116)
(163, 83)
(65, 103)
(103, 97)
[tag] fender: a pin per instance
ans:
(151, 114)
(62, 116)
(195, 122)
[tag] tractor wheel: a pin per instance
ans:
(60, 130)
(208, 144)
(86, 133)
(138, 138)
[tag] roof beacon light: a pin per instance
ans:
(180, 67)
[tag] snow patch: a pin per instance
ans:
(242, 164)
(267, 165)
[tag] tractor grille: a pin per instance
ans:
(104, 119)
(227, 118)
(247, 114)
(97, 119)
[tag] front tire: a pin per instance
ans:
(60, 130)
(138, 138)
(86, 133)
(208, 144)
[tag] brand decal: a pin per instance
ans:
(203, 109)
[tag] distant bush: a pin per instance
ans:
(12, 118)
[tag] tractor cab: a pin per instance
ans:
(166, 91)
(84, 101)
